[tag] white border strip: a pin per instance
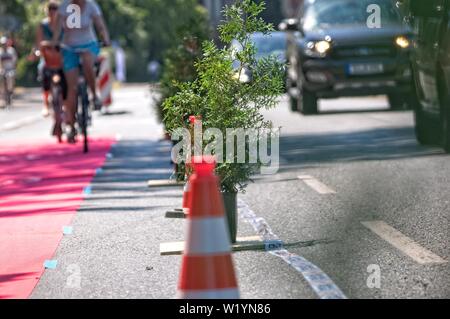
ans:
(322, 285)
(403, 243)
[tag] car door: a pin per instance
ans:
(428, 29)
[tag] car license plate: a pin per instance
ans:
(365, 68)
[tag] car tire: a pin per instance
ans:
(293, 103)
(445, 116)
(307, 103)
(424, 127)
(396, 101)
(446, 131)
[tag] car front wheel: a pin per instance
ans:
(445, 117)
(293, 103)
(424, 127)
(396, 101)
(307, 103)
(446, 131)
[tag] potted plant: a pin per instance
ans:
(225, 100)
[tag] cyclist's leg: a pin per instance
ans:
(11, 80)
(89, 58)
(63, 85)
(89, 71)
(72, 95)
(71, 62)
(46, 83)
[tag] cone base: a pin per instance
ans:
(209, 294)
(164, 183)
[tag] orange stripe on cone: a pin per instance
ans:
(186, 195)
(104, 79)
(208, 271)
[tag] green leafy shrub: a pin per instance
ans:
(220, 98)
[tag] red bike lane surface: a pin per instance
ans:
(41, 188)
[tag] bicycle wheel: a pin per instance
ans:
(57, 101)
(84, 117)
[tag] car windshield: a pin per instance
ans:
(331, 13)
(271, 44)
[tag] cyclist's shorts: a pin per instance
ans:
(72, 59)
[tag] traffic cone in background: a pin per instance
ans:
(207, 270)
(186, 193)
(105, 80)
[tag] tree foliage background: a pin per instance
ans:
(144, 28)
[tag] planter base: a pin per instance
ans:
(230, 203)
(242, 244)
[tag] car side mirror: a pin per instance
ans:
(289, 25)
(429, 8)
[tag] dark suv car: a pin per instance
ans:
(430, 20)
(339, 48)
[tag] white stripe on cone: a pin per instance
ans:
(209, 294)
(105, 92)
(207, 236)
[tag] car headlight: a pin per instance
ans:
(244, 76)
(402, 42)
(318, 49)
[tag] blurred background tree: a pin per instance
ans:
(180, 58)
(144, 28)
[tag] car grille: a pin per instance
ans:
(364, 51)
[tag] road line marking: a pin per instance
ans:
(403, 243)
(67, 230)
(316, 185)
(322, 285)
(19, 123)
(50, 264)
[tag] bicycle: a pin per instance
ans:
(53, 70)
(83, 116)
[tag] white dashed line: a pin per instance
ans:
(19, 123)
(316, 185)
(403, 243)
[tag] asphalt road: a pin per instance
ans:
(379, 199)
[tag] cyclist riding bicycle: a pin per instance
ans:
(49, 58)
(80, 45)
(8, 61)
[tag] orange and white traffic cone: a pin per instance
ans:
(186, 193)
(184, 211)
(105, 80)
(207, 270)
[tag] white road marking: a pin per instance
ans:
(316, 185)
(403, 243)
(19, 123)
(323, 286)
